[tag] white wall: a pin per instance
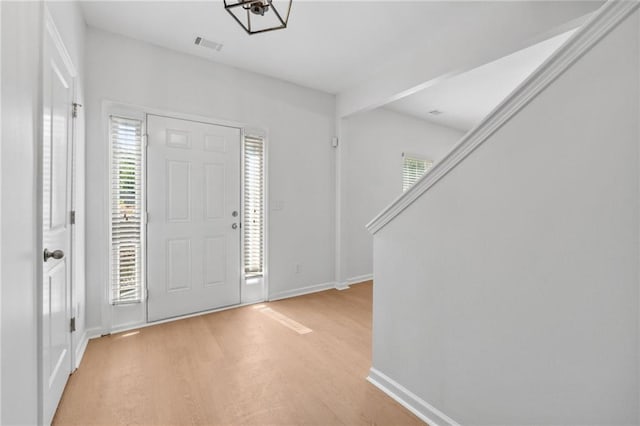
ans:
(508, 293)
(372, 144)
(300, 123)
(21, 24)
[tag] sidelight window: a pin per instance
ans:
(126, 210)
(253, 221)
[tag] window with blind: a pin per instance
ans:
(126, 210)
(412, 169)
(253, 221)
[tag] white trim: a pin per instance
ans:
(93, 333)
(131, 115)
(412, 402)
(638, 300)
(59, 43)
(338, 160)
(79, 352)
(137, 325)
(38, 144)
(1, 81)
(360, 279)
(264, 135)
(267, 208)
(302, 291)
(603, 21)
(110, 104)
(107, 110)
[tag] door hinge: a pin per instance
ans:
(72, 325)
(74, 111)
(146, 218)
(72, 217)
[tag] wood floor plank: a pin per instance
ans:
(238, 367)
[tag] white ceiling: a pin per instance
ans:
(330, 45)
(465, 99)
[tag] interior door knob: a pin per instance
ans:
(56, 254)
(234, 226)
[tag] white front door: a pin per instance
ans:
(56, 227)
(193, 201)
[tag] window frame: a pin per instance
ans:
(419, 157)
(254, 277)
(141, 116)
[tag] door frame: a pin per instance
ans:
(130, 320)
(50, 31)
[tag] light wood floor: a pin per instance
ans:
(238, 366)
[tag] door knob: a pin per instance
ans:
(234, 226)
(56, 254)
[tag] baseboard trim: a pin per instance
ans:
(87, 335)
(302, 291)
(79, 353)
(138, 325)
(359, 279)
(354, 280)
(422, 409)
(278, 296)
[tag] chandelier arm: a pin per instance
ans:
(239, 21)
(284, 23)
(248, 27)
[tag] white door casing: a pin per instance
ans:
(193, 190)
(56, 227)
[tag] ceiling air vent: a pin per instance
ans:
(203, 42)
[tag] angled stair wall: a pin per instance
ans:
(506, 280)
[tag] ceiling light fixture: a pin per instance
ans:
(258, 16)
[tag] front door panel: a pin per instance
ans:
(193, 187)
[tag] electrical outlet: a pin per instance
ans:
(297, 268)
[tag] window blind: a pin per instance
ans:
(412, 169)
(126, 210)
(253, 221)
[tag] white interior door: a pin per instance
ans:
(193, 232)
(56, 227)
